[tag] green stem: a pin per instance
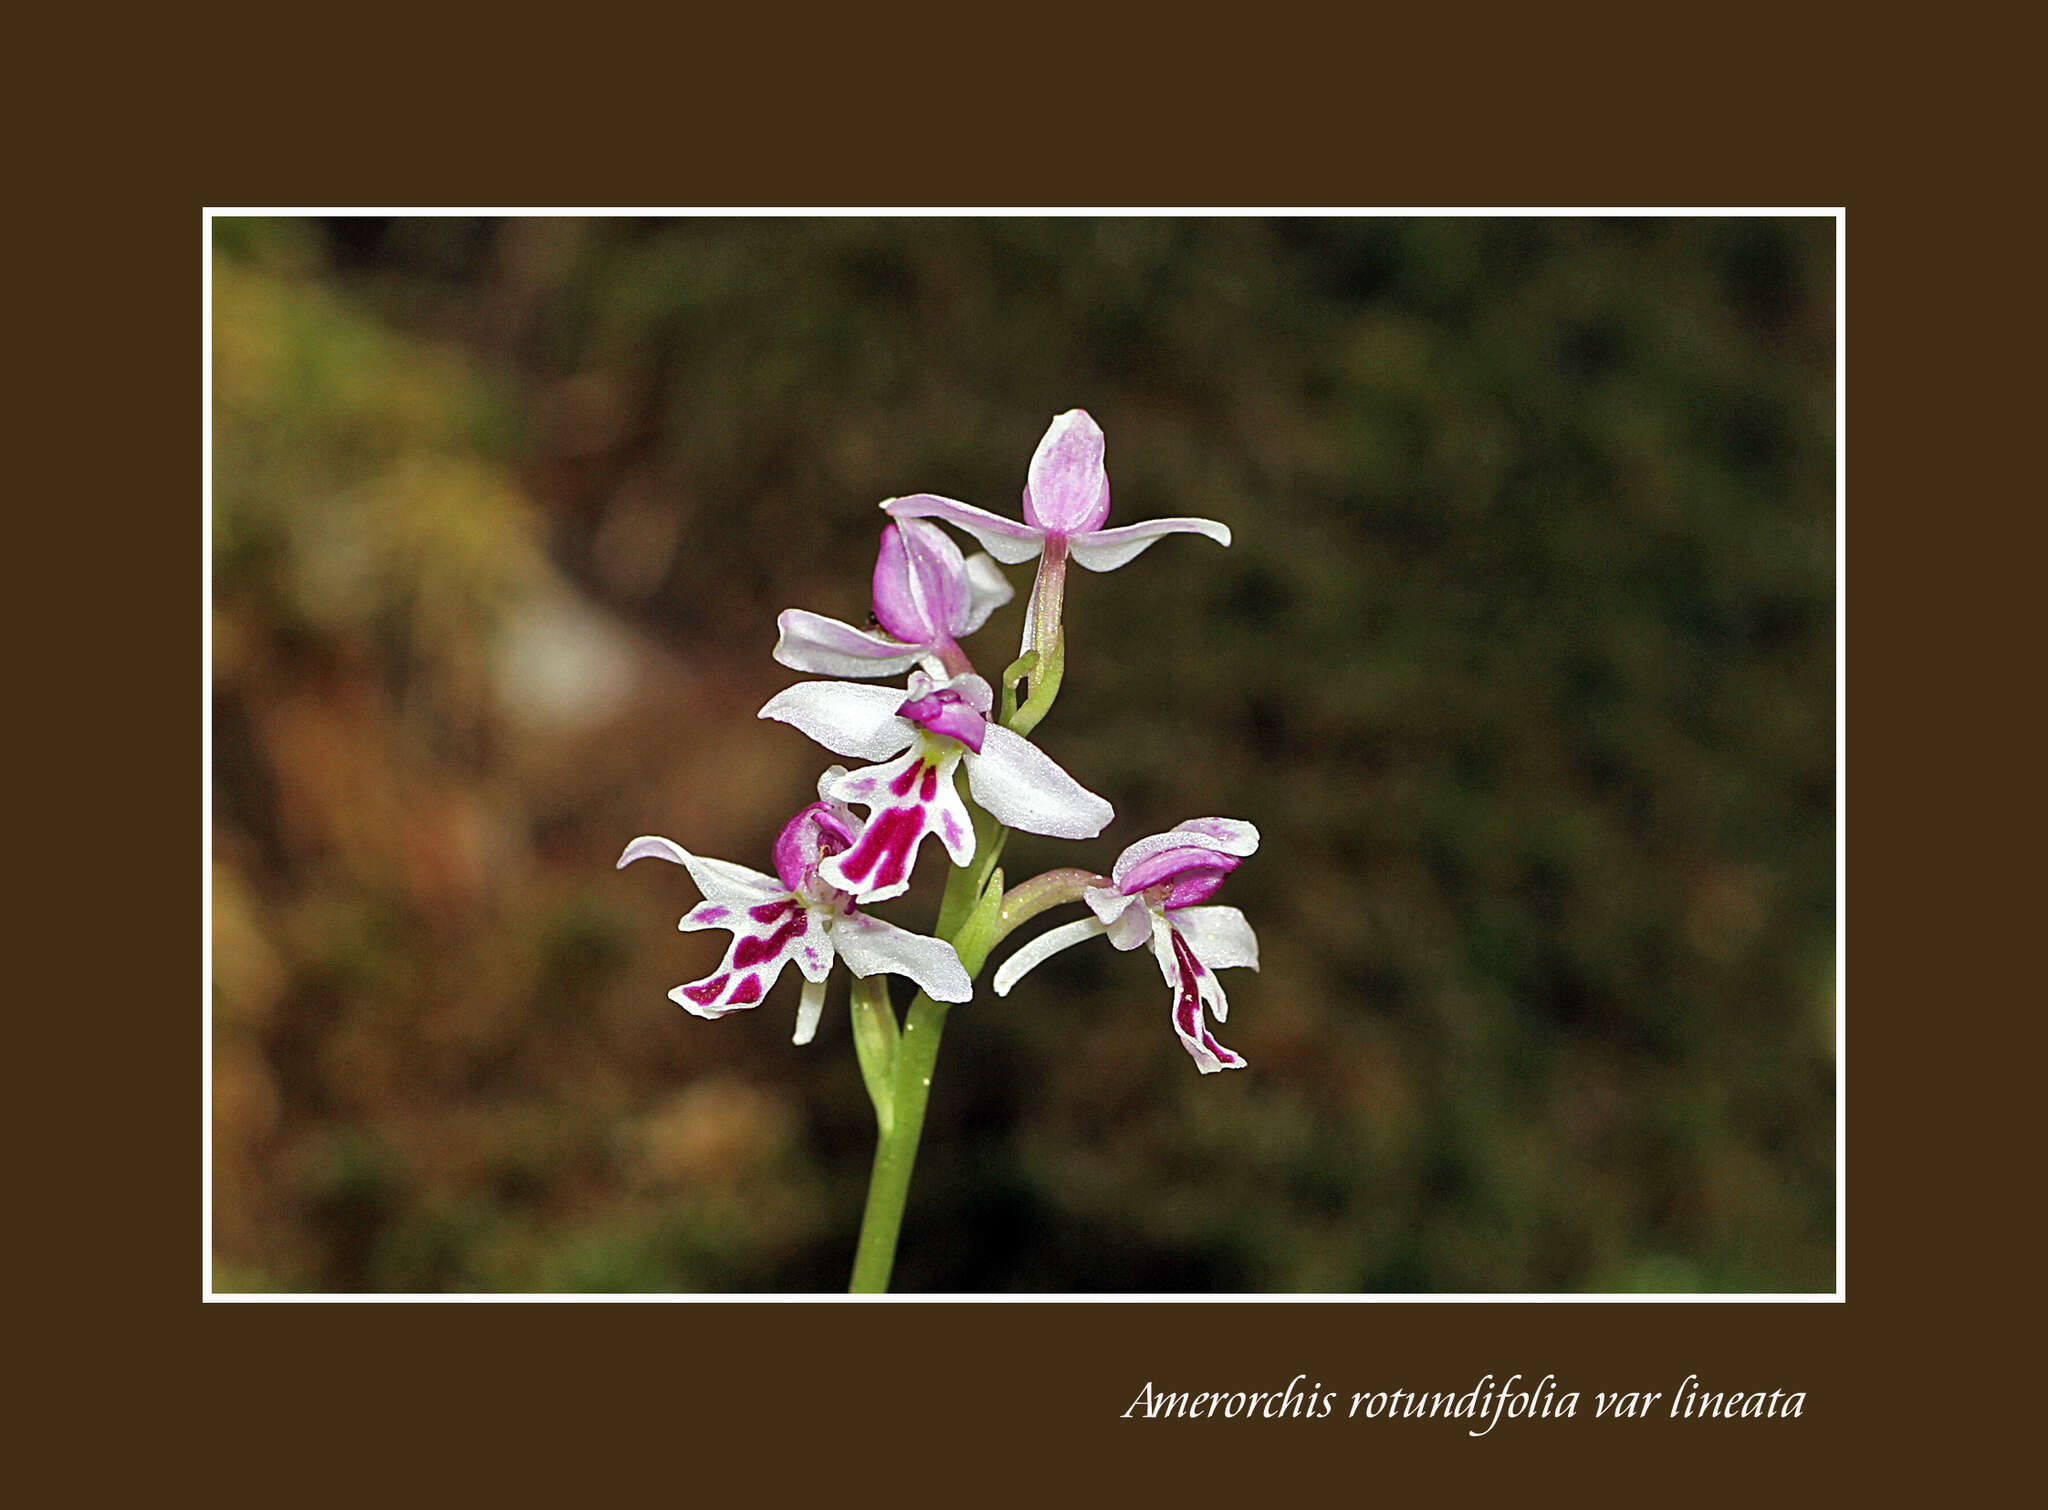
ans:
(896, 1148)
(973, 917)
(970, 918)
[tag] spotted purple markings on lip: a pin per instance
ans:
(920, 738)
(1187, 1013)
(882, 858)
(796, 916)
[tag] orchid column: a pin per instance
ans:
(917, 740)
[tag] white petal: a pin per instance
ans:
(872, 947)
(1022, 788)
(845, 718)
(719, 880)
(879, 864)
(1128, 919)
(754, 961)
(808, 1010)
(1202, 1046)
(987, 590)
(1211, 992)
(1008, 540)
(1043, 948)
(652, 847)
(1106, 550)
(869, 785)
(1162, 950)
(1131, 930)
(826, 647)
(974, 691)
(1109, 904)
(814, 952)
(712, 915)
(681, 997)
(1220, 937)
(1230, 836)
(949, 816)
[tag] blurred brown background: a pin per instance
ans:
(1522, 663)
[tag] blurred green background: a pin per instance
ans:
(1522, 663)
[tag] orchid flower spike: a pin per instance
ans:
(927, 596)
(932, 730)
(797, 915)
(1152, 895)
(1066, 499)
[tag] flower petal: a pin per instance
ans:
(1192, 873)
(1210, 989)
(920, 582)
(823, 828)
(845, 718)
(765, 939)
(1109, 904)
(1022, 788)
(1067, 488)
(719, 880)
(1194, 986)
(973, 690)
(1131, 930)
(872, 947)
(1005, 539)
(1106, 550)
(653, 847)
(1127, 918)
(1220, 937)
(907, 798)
(826, 647)
(711, 915)
(957, 708)
(1230, 836)
(813, 951)
(810, 1007)
(987, 590)
(1043, 948)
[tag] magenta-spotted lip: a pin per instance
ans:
(1191, 875)
(947, 712)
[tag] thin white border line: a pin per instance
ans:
(834, 1297)
(1841, 757)
(982, 212)
(205, 632)
(206, 749)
